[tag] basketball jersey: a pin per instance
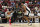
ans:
(26, 13)
(27, 8)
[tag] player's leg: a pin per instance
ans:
(7, 19)
(27, 19)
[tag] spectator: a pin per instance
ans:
(27, 2)
(9, 2)
(19, 15)
(17, 7)
(38, 13)
(30, 2)
(0, 6)
(4, 7)
(35, 14)
(36, 8)
(38, 2)
(31, 14)
(13, 4)
(4, 2)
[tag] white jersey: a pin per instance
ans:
(27, 7)
(26, 13)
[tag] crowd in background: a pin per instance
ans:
(14, 10)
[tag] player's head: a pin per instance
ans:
(22, 3)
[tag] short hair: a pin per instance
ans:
(23, 2)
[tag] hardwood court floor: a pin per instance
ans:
(21, 25)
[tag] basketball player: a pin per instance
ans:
(26, 11)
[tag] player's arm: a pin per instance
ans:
(24, 8)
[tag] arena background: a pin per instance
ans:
(35, 23)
